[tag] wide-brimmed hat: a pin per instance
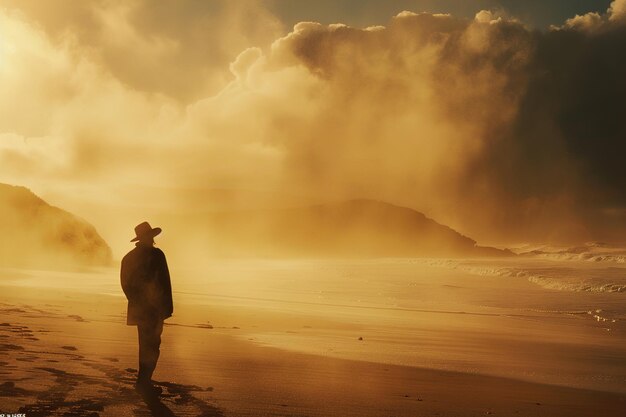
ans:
(144, 230)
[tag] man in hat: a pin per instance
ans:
(146, 282)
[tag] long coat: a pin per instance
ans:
(146, 282)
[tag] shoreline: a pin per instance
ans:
(220, 374)
(276, 339)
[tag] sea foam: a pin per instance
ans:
(556, 276)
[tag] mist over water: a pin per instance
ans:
(410, 312)
(506, 317)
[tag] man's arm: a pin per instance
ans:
(166, 284)
(126, 280)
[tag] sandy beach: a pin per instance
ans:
(69, 352)
(346, 208)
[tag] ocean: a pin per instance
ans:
(550, 315)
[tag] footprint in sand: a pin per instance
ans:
(54, 400)
(112, 388)
(9, 346)
(77, 318)
(8, 389)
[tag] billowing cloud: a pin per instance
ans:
(589, 21)
(181, 49)
(617, 11)
(491, 127)
(505, 133)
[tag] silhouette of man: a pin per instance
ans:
(146, 282)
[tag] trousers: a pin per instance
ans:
(149, 348)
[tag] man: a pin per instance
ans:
(146, 282)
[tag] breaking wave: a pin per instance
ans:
(598, 280)
(556, 284)
(590, 252)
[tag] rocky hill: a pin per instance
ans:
(361, 228)
(36, 234)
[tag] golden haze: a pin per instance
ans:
(120, 112)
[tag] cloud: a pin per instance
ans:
(617, 10)
(615, 14)
(589, 22)
(181, 49)
(497, 129)
(502, 132)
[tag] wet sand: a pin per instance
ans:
(66, 353)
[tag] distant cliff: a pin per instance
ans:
(357, 228)
(36, 234)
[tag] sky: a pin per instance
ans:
(504, 120)
(361, 13)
